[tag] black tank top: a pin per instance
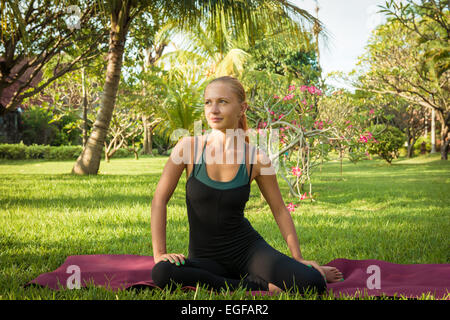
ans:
(217, 226)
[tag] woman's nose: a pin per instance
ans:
(214, 107)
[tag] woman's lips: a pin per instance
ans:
(216, 119)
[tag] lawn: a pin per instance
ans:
(398, 213)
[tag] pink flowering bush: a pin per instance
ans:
(293, 112)
(296, 171)
(306, 135)
(291, 207)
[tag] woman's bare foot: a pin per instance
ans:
(332, 274)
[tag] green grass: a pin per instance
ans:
(397, 213)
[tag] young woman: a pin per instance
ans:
(224, 249)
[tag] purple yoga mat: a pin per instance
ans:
(362, 277)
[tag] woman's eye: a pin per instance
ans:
(221, 101)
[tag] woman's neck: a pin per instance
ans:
(230, 140)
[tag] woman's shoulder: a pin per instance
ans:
(260, 157)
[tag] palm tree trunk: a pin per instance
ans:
(89, 160)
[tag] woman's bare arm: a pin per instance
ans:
(268, 184)
(168, 181)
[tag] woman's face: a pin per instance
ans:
(222, 107)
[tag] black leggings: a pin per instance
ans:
(264, 265)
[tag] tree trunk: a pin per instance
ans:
(89, 160)
(410, 143)
(445, 141)
(147, 136)
(83, 86)
(411, 147)
(444, 119)
(150, 141)
(433, 131)
(106, 153)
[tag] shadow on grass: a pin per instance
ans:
(123, 194)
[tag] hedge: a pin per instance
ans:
(21, 151)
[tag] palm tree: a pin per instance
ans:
(200, 47)
(240, 17)
(184, 88)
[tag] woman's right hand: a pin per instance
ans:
(176, 258)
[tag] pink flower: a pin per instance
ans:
(291, 207)
(291, 88)
(288, 97)
(314, 90)
(276, 97)
(296, 171)
(303, 88)
(304, 102)
(318, 125)
(281, 116)
(371, 111)
(303, 196)
(362, 139)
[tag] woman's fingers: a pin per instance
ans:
(314, 265)
(179, 259)
(175, 258)
(318, 268)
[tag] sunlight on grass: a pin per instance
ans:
(398, 213)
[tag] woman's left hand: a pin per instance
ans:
(314, 265)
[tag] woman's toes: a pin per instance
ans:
(332, 274)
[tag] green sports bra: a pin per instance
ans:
(199, 171)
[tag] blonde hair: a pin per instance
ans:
(239, 91)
